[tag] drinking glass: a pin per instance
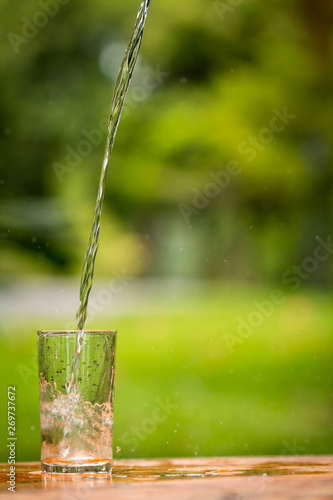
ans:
(76, 393)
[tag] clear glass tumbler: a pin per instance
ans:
(76, 393)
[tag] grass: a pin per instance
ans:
(182, 391)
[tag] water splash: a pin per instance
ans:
(73, 429)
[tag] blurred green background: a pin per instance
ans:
(219, 192)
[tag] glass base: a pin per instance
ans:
(58, 466)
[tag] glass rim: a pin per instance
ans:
(72, 332)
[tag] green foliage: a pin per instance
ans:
(224, 72)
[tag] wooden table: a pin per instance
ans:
(231, 478)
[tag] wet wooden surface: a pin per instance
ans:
(231, 478)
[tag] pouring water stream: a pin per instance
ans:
(119, 94)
